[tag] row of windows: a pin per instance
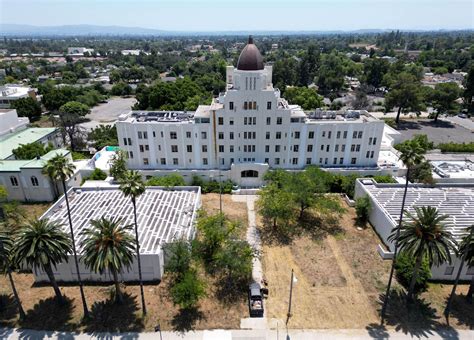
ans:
(14, 181)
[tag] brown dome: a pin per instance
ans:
(250, 58)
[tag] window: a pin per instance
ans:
(325, 161)
(359, 135)
(145, 161)
(320, 160)
(231, 149)
(34, 181)
(154, 135)
(295, 161)
(311, 135)
(221, 148)
(249, 174)
(267, 135)
(269, 120)
(324, 133)
(267, 148)
(203, 135)
(125, 141)
(334, 161)
(336, 148)
(354, 134)
(344, 135)
(173, 135)
(449, 270)
(231, 161)
(375, 140)
(220, 120)
(341, 160)
(296, 148)
(231, 105)
(310, 148)
(145, 135)
(221, 135)
(129, 141)
(188, 134)
(141, 148)
(338, 134)
(189, 148)
(147, 147)
(245, 103)
(353, 160)
(269, 105)
(367, 155)
(278, 135)
(353, 147)
(254, 120)
(204, 161)
(245, 134)
(175, 161)
(159, 147)
(358, 147)
(140, 135)
(277, 148)
(174, 148)
(370, 141)
(231, 135)
(343, 147)
(329, 134)
(327, 148)
(322, 147)
(130, 154)
(308, 161)
(297, 135)
(277, 161)
(161, 133)
(371, 154)
(163, 161)
(266, 160)
(231, 121)
(279, 120)
(204, 148)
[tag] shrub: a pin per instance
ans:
(212, 186)
(384, 179)
(178, 257)
(97, 175)
(173, 180)
(187, 292)
(404, 270)
(362, 208)
(457, 147)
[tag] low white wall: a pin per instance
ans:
(152, 270)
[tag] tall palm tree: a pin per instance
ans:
(131, 184)
(425, 236)
(466, 252)
(108, 245)
(49, 170)
(61, 168)
(411, 154)
(43, 245)
(6, 264)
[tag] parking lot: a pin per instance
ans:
(108, 112)
(441, 132)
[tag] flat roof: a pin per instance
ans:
(453, 169)
(16, 165)
(456, 201)
(26, 136)
(163, 214)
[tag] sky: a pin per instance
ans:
(248, 15)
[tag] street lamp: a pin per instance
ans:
(293, 280)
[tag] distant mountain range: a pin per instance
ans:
(96, 30)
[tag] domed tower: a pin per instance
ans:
(250, 58)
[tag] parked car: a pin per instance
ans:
(462, 115)
(255, 300)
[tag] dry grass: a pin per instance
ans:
(44, 313)
(340, 279)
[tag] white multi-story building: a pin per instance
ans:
(11, 92)
(247, 130)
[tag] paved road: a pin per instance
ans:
(108, 113)
(441, 132)
(275, 334)
(467, 123)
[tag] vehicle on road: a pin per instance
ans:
(462, 115)
(255, 300)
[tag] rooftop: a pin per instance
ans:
(13, 91)
(453, 169)
(27, 136)
(456, 201)
(17, 165)
(163, 215)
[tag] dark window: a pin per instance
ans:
(189, 148)
(163, 161)
(145, 161)
(231, 135)
(297, 135)
(204, 148)
(310, 148)
(295, 161)
(267, 135)
(308, 161)
(188, 134)
(269, 105)
(249, 174)
(296, 148)
(311, 135)
(34, 181)
(220, 120)
(353, 160)
(203, 135)
(221, 135)
(173, 135)
(231, 105)
(279, 120)
(175, 161)
(221, 148)
(204, 161)
(174, 148)
(14, 181)
(269, 120)
(125, 141)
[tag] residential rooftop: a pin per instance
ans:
(456, 201)
(163, 214)
(13, 141)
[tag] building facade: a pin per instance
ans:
(11, 92)
(248, 130)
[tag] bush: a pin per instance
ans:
(31, 150)
(77, 155)
(457, 147)
(212, 186)
(384, 179)
(178, 257)
(362, 208)
(404, 270)
(187, 292)
(97, 175)
(173, 180)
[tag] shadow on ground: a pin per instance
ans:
(185, 319)
(419, 124)
(462, 311)
(418, 319)
(8, 310)
(108, 316)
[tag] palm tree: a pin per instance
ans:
(424, 236)
(61, 168)
(42, 244)
(49, 170)
(108, 246)
(131, 184)
(411, 154)
(466, 252)
(6, 263)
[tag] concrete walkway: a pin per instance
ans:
(281, 334)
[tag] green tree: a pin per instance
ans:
(60, 168)
(307, 98)
(444, 97)
(172, 180)
(7, 264)
(118, 165)
(405, 93)
(43, 245)
(425, 235)
(132, 186)
(96, 175)
(275, 204)
(31, 150)
(27, 107)
(187, 292)
(103, 135)
(374, 71)
(70, 115)
(404, 268)
(121, 89)
(330, 76)
(362, 208)
(108, 246)
(469, 90)
(179, 255)
(234, 261)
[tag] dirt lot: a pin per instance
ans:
(43, 312)
(340, 277)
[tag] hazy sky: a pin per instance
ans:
(224, 15)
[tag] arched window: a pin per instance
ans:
(249, 174)
(14, 181)
(34, 181)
